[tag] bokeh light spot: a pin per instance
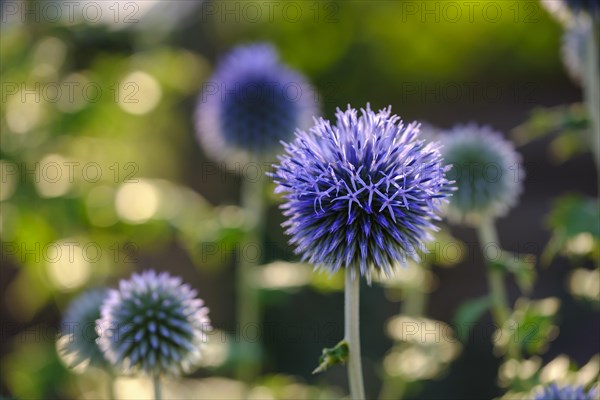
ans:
(53, 176)
(66, 263)
(139, 93)
(137, 202)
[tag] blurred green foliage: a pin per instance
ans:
(532, 325)
(576, 232)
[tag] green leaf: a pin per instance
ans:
(567, 145)
(522, 266)
(572, 217)
(543, 121)
(576, 214)
(332, 356)
(534, 325)
(468, 313)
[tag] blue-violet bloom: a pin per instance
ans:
(153, 324)
(251, 103)
(361, 194)
(567, 392)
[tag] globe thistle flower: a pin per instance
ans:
(153, 324)
(487, 171)
(76, 342)
(251, 103)
(362, 193)
(568, 392)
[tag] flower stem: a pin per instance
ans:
(156, 386)
(495, 276)
(352, 335)
(248, 310)
(591, 90)
(110, 385)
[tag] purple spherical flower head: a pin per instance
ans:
(567, 392)
(251, 103)
(153, 324)
(362, 193)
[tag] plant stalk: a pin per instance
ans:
(352, 335)
(248, 310)
(591, 90)
(156, 386)
(500, 307)
(110, 385)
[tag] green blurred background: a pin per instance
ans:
(103, 95)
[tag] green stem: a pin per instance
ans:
(591, 91)
(500, 307)
(248, 310)
(110, 387)
(352, 335)
(156, 386)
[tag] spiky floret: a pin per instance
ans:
(487, 171)
(76, 343)
(567, 392)
(251, 103)
(153, 324)
(362, 193)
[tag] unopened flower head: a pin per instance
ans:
(567, 392)
(153, 324)
(251, 103)
(76, 343)
(361, 193)
(487, 171)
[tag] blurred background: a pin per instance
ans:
(102, 176)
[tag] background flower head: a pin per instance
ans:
(76, 343)
(567, 392)
(361, 193)
(487, 171)
(153, 324)
(251, 103)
